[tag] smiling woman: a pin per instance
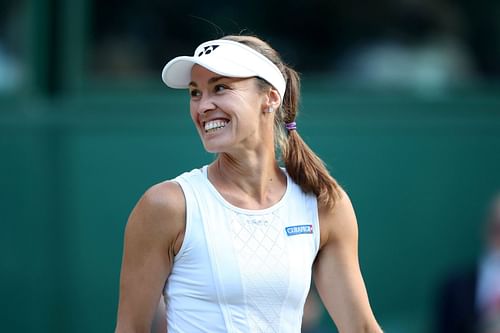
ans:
(223, 110)
(233, 245)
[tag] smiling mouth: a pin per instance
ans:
(214, 125)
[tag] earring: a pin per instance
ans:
(270, 110)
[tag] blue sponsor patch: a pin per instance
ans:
(299, 229)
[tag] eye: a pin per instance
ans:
(194, 93)
(220, 87)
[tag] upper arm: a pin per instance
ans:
(153, 235)
(337, 273)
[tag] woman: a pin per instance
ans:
(232, 245)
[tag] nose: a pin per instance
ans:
(205, 104)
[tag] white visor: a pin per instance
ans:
(226, 58)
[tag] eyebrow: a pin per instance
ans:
(210, 81)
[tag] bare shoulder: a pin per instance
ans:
(165, 197)
(338, 223)
(159, 214)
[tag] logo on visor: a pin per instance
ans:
(207, 50)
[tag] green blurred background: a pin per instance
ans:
(400, 98)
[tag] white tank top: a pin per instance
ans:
(240, 270)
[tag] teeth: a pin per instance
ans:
(212, 126)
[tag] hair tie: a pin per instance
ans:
(291, 126)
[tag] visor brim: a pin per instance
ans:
(177, 72)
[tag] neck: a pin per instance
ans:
(253, 182)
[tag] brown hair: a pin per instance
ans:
(302, 164)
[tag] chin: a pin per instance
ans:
(213, 149)
(215, 145)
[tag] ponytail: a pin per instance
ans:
(302, 164)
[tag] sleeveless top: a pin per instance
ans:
(241, 270)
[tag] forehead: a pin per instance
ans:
(200, 71)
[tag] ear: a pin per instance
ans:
(272, 100)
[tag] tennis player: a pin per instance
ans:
(232, 245)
